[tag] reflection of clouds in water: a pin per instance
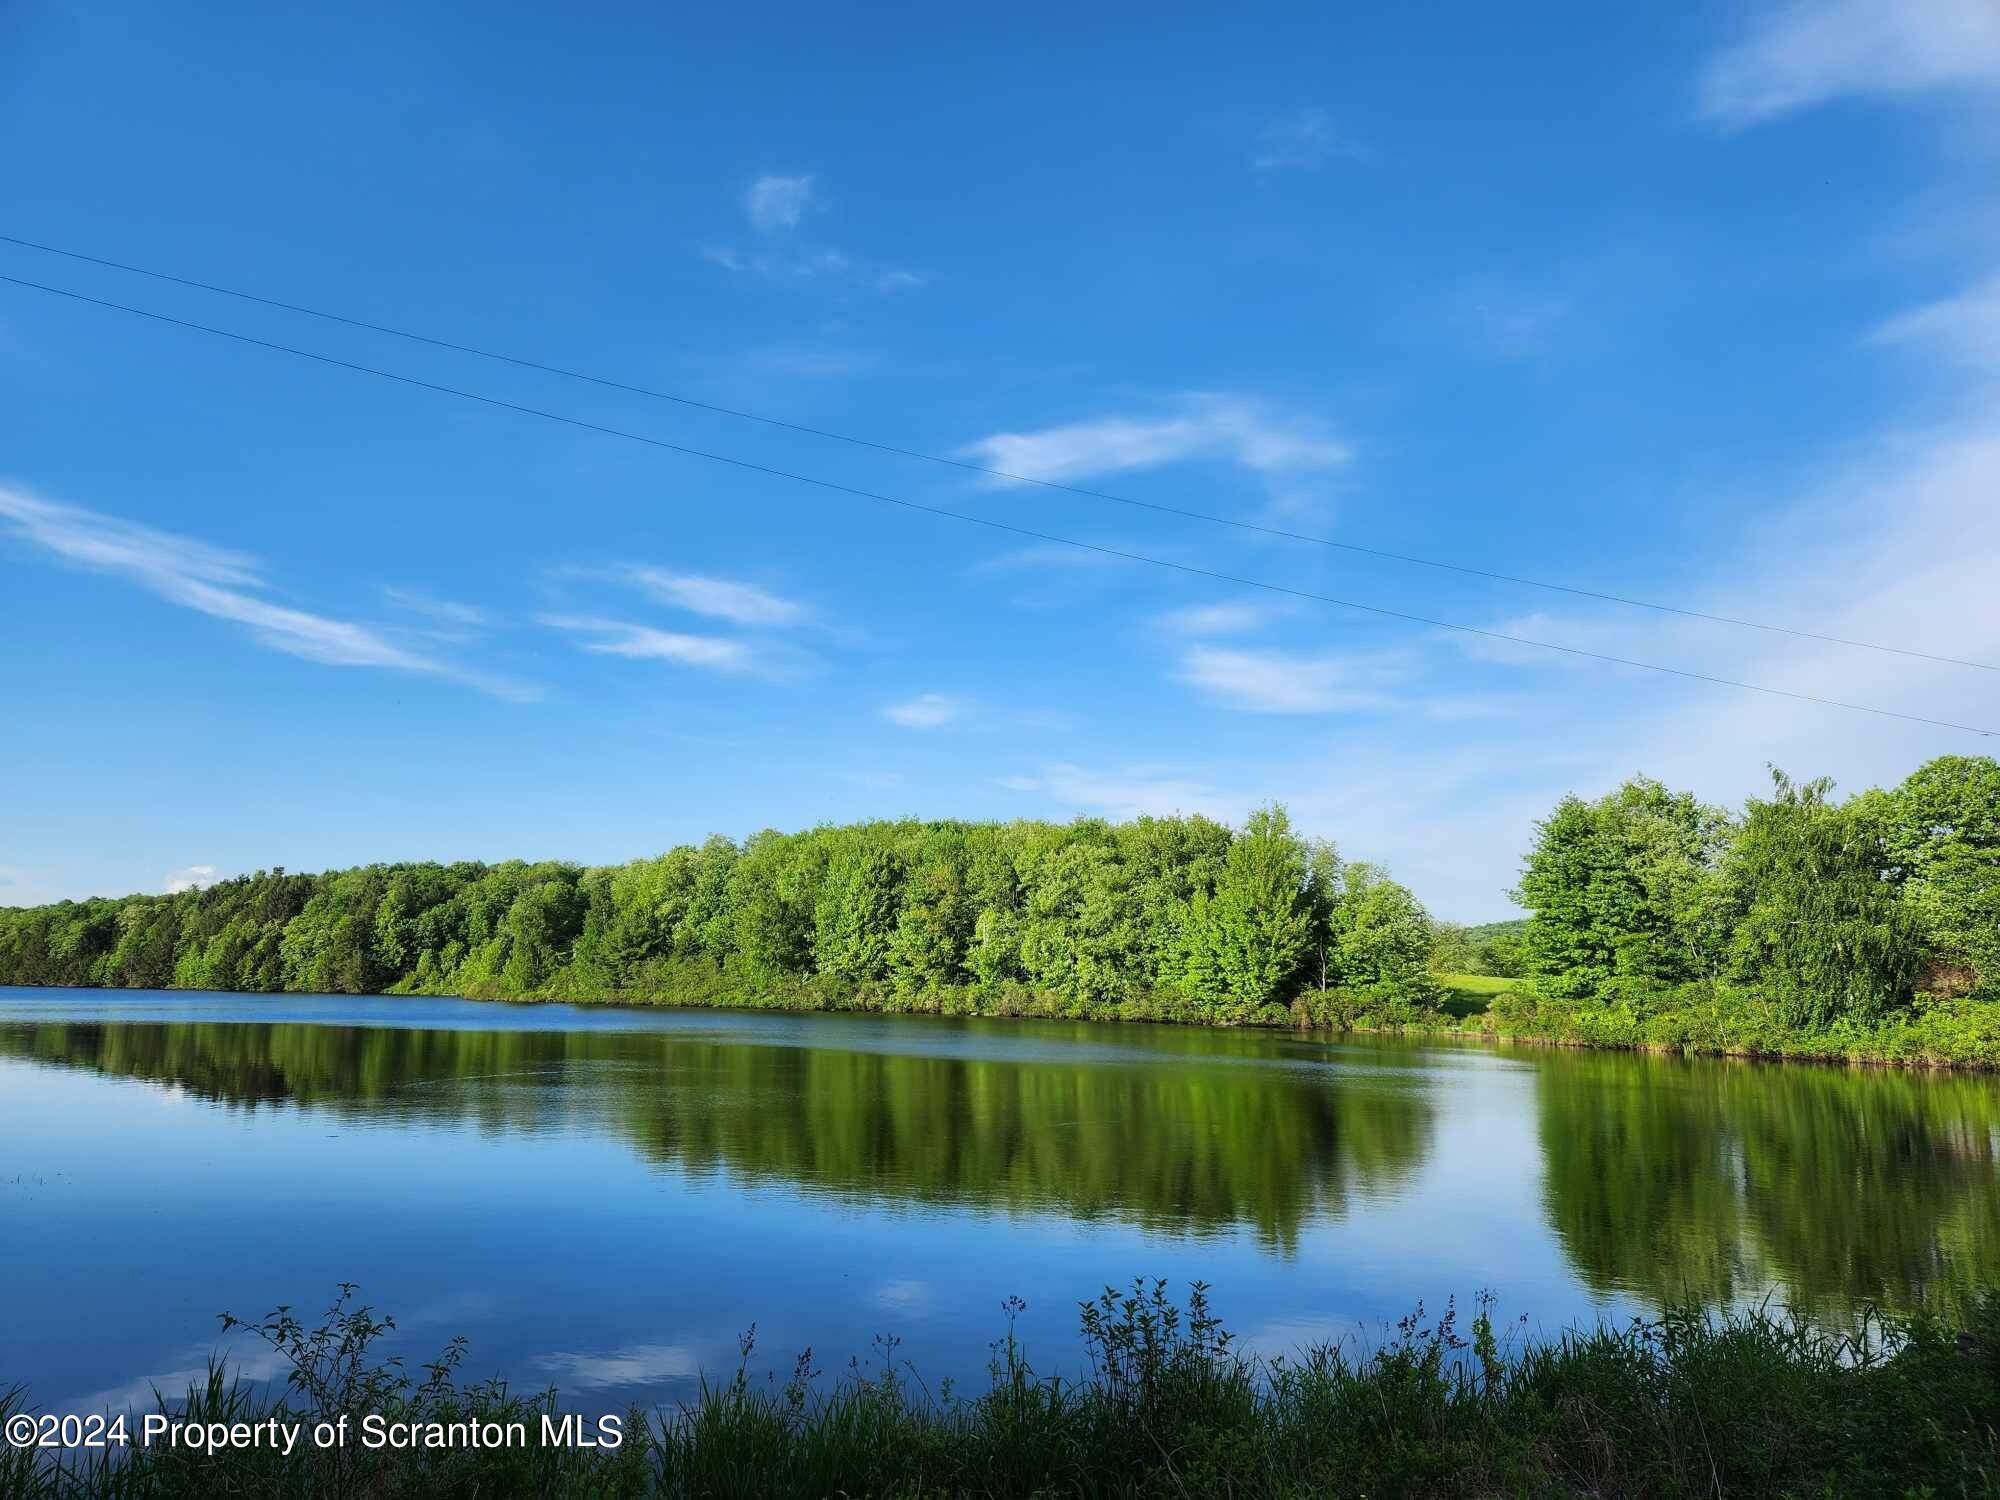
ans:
(1289, 1336)
(453, 1310)
(252, 1364)
(904, 1296)
(635, 1364)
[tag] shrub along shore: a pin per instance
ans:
(1692, 1404)
(1699, 1020)
(1864, 929)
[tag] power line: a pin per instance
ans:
(968, 466)
(972, 520)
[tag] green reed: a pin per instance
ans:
(1758, 1403)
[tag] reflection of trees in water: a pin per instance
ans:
(1179, 1137)
(1712, 1181)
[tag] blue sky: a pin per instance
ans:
(1698, 303)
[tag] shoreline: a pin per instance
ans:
(968, 1003)
(1747, 1403)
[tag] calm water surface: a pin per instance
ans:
(607, 1199)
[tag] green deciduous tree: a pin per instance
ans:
(1824, 932)
(1246, 943)
(1383, 937)
(855, 915)
(1078, 934)
(1941, 834)
(772, 896)
(1624, 888)
(935, 926)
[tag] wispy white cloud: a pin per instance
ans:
(1304, 140)
(1811, 51)
(1199, 425)
(1966, 326)
(188, 878)
(1214, 619)
(1127, 793)
(775, 202)
(464, 616)
(1617, 635)
(1866, 566)
(1450, 807)
(117, 546)
(825, 265)
(217, 582)
(607, 637)
(1278, 682)
(1505, 321)
(810, 363)
(775, 205)
(720, 598)
(925, 711)
(1053, 555)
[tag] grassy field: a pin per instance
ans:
(1469, 994)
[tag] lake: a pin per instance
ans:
(607, 1199)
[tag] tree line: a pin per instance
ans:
(1822, 912)
(1171, 918)
(1827, 911)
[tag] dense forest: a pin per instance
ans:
(1869, 925)
(1168, 918)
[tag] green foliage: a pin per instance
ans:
(1078, 930)
(1383, 937)
(855, 917)
(1834, 915)
(1621, 889)
(1824, 932)
(1493, 948)
(773, 897)
(1730, 1019)
(1832, 919)
(1753, 1404)
(1941, 834)
(1248, 940)
(1160, 918)
(927, 951)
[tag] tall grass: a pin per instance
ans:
(1691, 1404)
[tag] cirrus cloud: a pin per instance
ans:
(608, 637)
(1278, 682)
(721, 598)
(1305, 140)
(1198, 425)
(222, 584)
(925, 711)
(774, 202)
(1812, 51)
(1965, 326)
(1214, 619)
